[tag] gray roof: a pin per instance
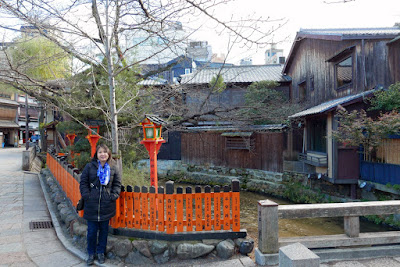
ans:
(237, 74)
(153, 82)
(255, 128)
(354, 33)
(8, 124)
(9, 102)
(327, 106)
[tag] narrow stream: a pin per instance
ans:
(294, 227)
(290, 227)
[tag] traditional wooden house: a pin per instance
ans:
(218, 142)
(332, 67)
(252, 147)
(200, 98)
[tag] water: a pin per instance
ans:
(295, 227)
(291, 227)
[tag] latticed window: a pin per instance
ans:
(241, 140)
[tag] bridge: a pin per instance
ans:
(352, 244)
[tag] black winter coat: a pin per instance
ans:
(99, 199)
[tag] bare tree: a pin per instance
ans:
(109, 34)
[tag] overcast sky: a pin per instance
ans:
(305, 14)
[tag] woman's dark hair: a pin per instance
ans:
(105, 147)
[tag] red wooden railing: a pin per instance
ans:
(169, 211)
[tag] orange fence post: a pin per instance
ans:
(189, 209)
(117, 213)
(122, 211)
(136, 207)
(129, 206)
(217, 208)
(160, 209)
(207, 208)
(169, 198)
(198, 200)
(145, 208)
(179, 209)
(153, 205)
(227, 208)
(235, 206)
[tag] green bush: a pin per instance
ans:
(133, 176)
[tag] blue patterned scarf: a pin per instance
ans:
(103, 173)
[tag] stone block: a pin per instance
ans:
(297, 255)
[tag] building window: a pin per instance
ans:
(344, 72)
(316, 133)
(312, 84)
(302, 91)
(187, 71)
(239, 140)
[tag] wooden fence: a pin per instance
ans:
(164, 211)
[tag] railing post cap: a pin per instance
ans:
(267, 203)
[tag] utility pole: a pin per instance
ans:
(26, 122)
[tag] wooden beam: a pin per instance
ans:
(332, 241)
(338, 209)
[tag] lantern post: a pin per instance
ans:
(152, 140)
(93, 137)
(71, 138)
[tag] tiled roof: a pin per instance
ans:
(8, 124)
(153, 81)
(256, 128)
(8, 102)
(350, 33)
(237, 74)
(330, 104)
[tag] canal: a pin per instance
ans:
(290, 228)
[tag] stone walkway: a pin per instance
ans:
(22, 202)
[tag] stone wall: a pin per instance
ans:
(250, 179)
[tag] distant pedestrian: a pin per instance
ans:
(100, 187)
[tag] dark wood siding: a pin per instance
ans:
(209, 148)
(348, 164)
(370, 68)
(394, 61)
(171, 150)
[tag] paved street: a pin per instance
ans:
(22, 201)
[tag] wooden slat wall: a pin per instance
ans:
(388, 151)
(310, 61)
(208, 148)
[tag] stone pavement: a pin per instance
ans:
(22, 201)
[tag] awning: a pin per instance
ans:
(235, 134)
(8, 124)
(330, 105)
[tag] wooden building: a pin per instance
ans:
(254, 147)
(333, 67)
(200, 98)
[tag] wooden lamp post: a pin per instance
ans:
(93, 137)
(152, 140)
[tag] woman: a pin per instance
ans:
(100, 187)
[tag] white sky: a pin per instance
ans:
(298, 14)
(304, 14)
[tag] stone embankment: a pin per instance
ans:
(126, 250)
(250, 179)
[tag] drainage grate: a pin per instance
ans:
(41, 225)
